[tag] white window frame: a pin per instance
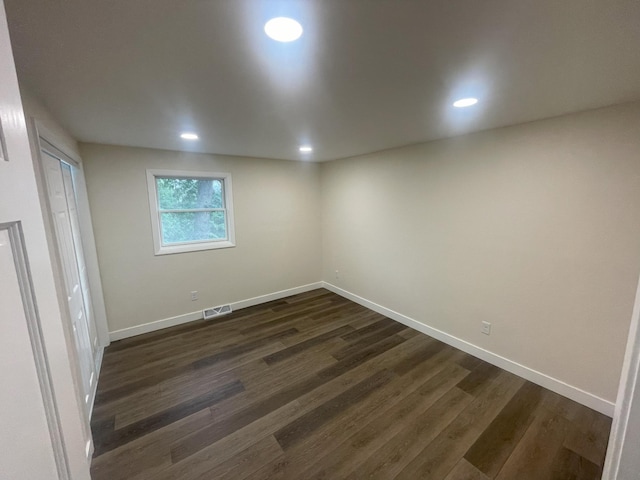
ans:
(196, 245)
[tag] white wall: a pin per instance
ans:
(534, 228)
(35, 109)
(277, 224)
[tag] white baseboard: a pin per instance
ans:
(190, 317)
(574, 393)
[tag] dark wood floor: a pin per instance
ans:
(317, 387)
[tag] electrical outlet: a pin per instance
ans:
(486, 328)
(194, 296)
(337, 274)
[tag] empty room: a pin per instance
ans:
(320, 239)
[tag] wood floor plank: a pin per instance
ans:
(147, 456)
(151, 338)
(338, 309)
(439, 457)
(409, 333)
(590, 442)
(566, 408)
(385, 360)
(363, 319)
(360, 357)
(568, 465)
(170, 355)
(497, 441)
(309, 329)
(315, 386)
(220, 333)
(160, 376)
(281, 467)
(307, 296)
(465, 471)
(348, 455)
(277, 378)
(232, 444)
(311, 342)
(346, 423)
(389, 460)
(369, 329)
(478, 377)
(242, 348)
(368, 340)
(424, 353)
(156, 421)
(533, 456)
(148, 346)
(351, 418)
(210, 434)
(470, 362)
(304, 425)
(105, 396)
(167, 394)
(309, 361)
(241, 465)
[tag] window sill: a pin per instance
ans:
(193, 247)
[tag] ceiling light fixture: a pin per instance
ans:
(283, 29)
(465, 102)
(306, 149)
(189, 136)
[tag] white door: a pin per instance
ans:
(44, 435)
(68, 173)
(28, 454)
(64, 215)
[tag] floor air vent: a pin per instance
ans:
(216, 311)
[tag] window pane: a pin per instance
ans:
(192, 226)
(187, 193)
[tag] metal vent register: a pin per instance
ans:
(213, 312)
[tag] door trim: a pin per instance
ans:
(46, 140)
(23, 272)
(627, 394)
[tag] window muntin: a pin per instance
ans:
(190, 210)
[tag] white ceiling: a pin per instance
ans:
(366, 75)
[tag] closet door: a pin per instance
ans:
(63, 222)
(72, 204)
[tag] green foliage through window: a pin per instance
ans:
(191, 209)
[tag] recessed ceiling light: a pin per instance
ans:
(465, 102)
(189, 136)
(283, 29)
(306, 149)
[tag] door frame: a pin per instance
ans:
(627, 403)
(43, 143)
(44, 139)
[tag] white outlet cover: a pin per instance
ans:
(486, 328)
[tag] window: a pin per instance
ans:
(190, 211)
